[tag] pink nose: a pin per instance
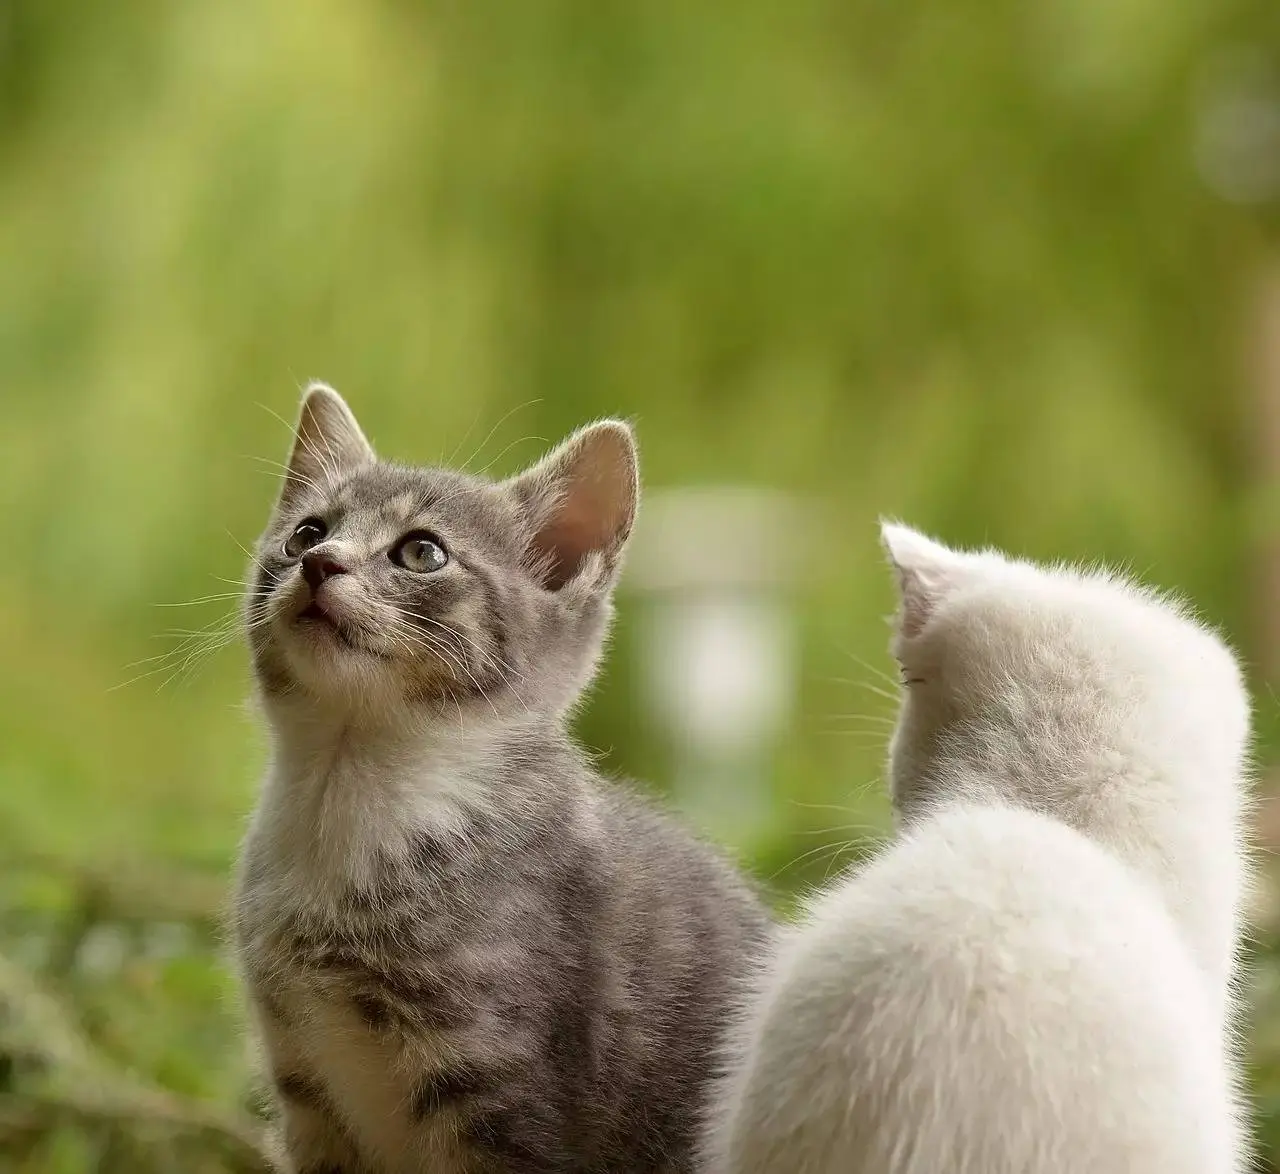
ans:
(317, 566)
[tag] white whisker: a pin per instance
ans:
(502, 420)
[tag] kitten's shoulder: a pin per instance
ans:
(663, 853)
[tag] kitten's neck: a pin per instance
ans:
(310, 747)
(309, 738)
(342, 797)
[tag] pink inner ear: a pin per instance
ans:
(593, 512)
(593, 515)
(567, 539)
(582, 500)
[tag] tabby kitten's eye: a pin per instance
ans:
(307, 535)
(420, 551)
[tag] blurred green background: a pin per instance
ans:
(1006, 270)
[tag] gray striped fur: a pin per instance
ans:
(465, 951)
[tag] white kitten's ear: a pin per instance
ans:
(926, 571)
(327, 443)
(581, 502)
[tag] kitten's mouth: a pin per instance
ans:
(315, 613)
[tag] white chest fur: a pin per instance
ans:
(332, 814)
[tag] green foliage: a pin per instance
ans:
(948, 262)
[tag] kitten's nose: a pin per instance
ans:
(319, 565)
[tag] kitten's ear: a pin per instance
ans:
(581, 502)
(327, 443)
(926, 572)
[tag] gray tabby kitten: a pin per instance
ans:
(464, 951)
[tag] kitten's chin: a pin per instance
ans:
(316, 626)
(333, 661)
(340, 681)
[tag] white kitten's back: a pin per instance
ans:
(1037, 976)
(995, 995)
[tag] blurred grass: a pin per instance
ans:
(953, 264)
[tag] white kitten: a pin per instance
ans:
(1036, 977)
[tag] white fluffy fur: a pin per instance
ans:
(1036, 977)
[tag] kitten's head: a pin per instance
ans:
(403, 592)
(1050, 680)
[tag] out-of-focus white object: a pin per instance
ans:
(1237, 133)
(717, 640)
